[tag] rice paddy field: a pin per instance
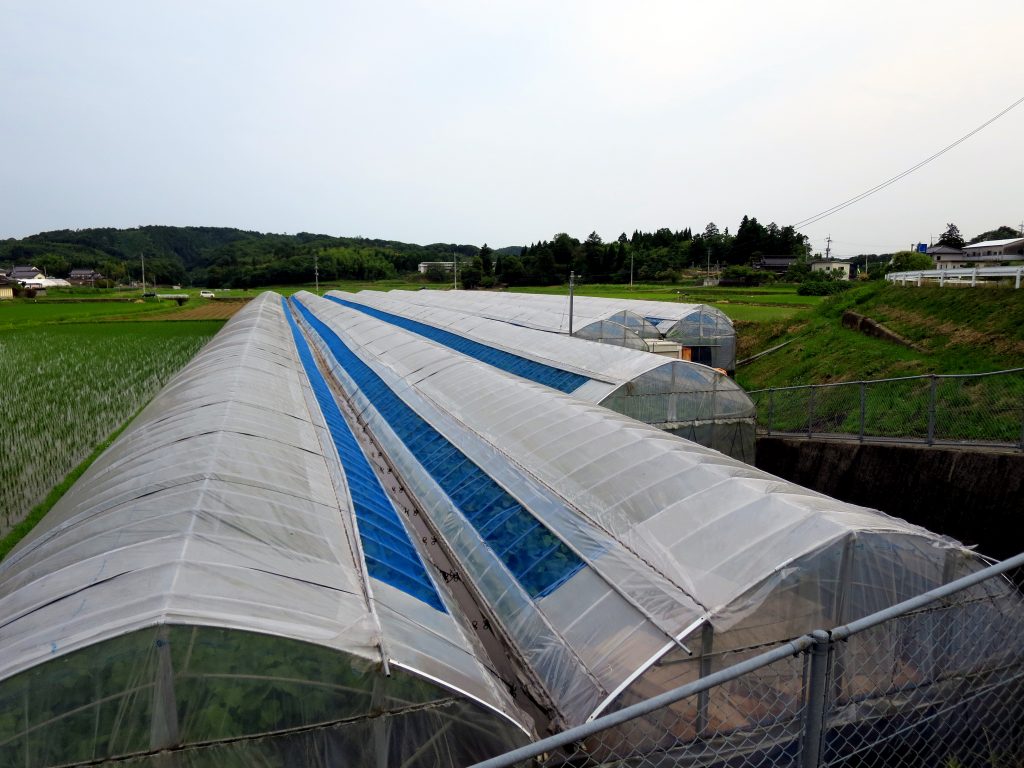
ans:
(69, 385)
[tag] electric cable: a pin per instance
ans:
(836, 208)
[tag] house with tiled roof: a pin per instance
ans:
(22, 273)
(85, 276)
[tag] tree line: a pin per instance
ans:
(646, 256)
(223, 257)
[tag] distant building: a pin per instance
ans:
(6, 288)
(445, 265)
(84, 277)
(946, 256)
(996, 251)
(23, 274)
(777, 264)
(840, 269)
(989, 253)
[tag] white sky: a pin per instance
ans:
(507, 122)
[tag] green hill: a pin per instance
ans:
(954, 330)
(221, 256)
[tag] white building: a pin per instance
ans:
(840, 269)
(995, 252)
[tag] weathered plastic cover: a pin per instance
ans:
(618, 321)
(668, 536)
(221, 521)
(548, 314)
(693, 401)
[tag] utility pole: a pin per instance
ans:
(707, 252)
(455, 271)
(572, 282)
(828, 246)
(316, 272)
(143, 257)
(631, 269)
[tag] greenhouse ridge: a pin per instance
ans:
(686, 399)
(236, 573)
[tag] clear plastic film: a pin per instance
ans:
(672, 533)
(202, 581)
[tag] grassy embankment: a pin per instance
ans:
(957, 330)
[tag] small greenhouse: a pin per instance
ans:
(686, 399)
(706, 331)
(621, 561)
(230, 581)
(620, 328)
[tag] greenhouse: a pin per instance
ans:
(705, 331)
(622, 561)
(686, 399)
(231, 581)
(333, 541)
(622, 329)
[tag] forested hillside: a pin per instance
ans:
(220, 256)
(224, 257)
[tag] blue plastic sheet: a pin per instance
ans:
(538, 560)
(390, 556)
(548, 375)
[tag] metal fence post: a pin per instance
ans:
(771, 408)
(931, 408)
(704, 697)
(863, 407)
(810, 412)
(814, 702)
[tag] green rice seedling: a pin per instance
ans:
(67, 387)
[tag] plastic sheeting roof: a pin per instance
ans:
(672, 535)
(701, 327)
(604, 363)
(224, 505)
(541, 315)
(693, 400)
(593, 307)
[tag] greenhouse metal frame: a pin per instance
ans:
(687, 399)
(229, 580)
(671, 557)
(332, 540)
(705, 330)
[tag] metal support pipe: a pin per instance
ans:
(810, 412)
(707, 636)
(932, 387)
(646, 707)
(814, 701)
(816, 677)
(863, 407)
(572, 280)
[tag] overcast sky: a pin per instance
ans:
(507, 122)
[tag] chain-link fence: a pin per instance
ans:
(974, 409)
(936, 681)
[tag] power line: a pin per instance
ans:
(836, 208)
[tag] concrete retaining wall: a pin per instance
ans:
(972, 495)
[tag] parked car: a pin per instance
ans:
(206, 294)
